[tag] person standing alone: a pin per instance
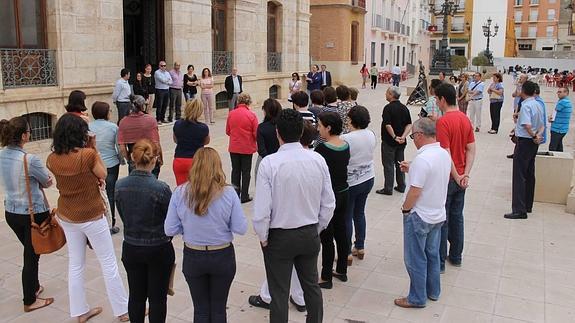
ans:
(394, 129)
(476, 101)
(121, 94)
(373, 72)
(560, 119)
(396, 74)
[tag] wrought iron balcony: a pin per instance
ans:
(28, 67)
(222, 62)
(274, 62)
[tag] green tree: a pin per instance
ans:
(459, 62)
(480, 60)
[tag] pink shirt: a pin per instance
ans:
(207, 81)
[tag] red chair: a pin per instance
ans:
(549, 81)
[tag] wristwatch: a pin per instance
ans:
(405, 211)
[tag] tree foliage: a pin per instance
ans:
(459, 62)
(480, 60)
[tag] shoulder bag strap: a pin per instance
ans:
(28, 189)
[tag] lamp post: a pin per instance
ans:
(442, 58)
(487, 32)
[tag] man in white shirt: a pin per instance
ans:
(121, 94)
(233, 85)
(294, 202)
(325, 77)
(163, 80)
(396, 75)
(423, 214)
(475, 103)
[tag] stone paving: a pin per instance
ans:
(513, 271)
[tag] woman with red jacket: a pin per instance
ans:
(241, 127)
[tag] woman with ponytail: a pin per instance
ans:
(207, 212)
(14, 134)
(147, 253)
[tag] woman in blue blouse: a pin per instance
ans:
(13, 135)
(495, 91)
(207, 211)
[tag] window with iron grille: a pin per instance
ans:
(40, 125)
(274, 92)
(222, 100)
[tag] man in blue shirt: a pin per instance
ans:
(529, 131)
(560, 119)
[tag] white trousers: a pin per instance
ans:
(474, 111)
(295, 290)
(98, 233)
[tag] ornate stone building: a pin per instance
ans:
(50, 47)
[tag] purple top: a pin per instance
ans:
(177, 79)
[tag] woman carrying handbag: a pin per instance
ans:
(14, 134)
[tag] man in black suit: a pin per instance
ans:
(233, 86)
(325, 77)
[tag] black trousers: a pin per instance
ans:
(336, 229)
(111, 180)
(241, 169)
(20, 224)
(495, 112)
(373, 81)
(209, 275)
(556, 143)
(286, 249)
(148, 270)
(175, 104)
(523, 187)
(390, 156)
(161, 103)
(123, 109)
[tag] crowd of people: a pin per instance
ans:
(314, 171)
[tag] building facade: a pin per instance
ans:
(566, 32)
(459, 28)
(536, 24)
(394, 33)
(50, 47)
(336, 37)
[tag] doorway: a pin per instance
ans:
(144, 41)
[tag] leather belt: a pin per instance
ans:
(476, 99)
(207, 248)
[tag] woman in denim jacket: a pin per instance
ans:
(147, 253)
(13, 135)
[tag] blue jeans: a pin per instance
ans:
(452, 229)
(356, 212)
(421, 257)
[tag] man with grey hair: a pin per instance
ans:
(424, 212)
(394, 129)
(233, 85)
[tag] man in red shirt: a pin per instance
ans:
(241, 127)
(455, 134)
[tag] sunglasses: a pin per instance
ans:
(162, 65)
(412, 136)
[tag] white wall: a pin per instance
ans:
(561, 64)
(483, 9)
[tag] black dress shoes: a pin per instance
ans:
(257, 301)
(326, 285)
(299, 308)
(384, 192)
(510, 156)
(398, 189)
(515, 216)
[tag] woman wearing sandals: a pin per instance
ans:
(14, 134)
(79, 172)
(336, 154)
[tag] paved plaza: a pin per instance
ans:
(513, 270)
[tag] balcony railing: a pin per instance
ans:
(274, 62)
(358, 3)
(222, 62)
(28, 67)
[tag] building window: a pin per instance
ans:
(222, 100)
(372, 48)
(403, 57)
(457, 24)
(532, 32)
(518, 15)
(382, 54)
(566, 48)
(551, 14)
(222, 59)
(354, 42)
(525, 47)
(273, 41)
(533, 14)
(274, 92)
(40, 125)
(550, 31)
(547, 48)
(22, 24)
(534, 2)
(518, 32)
(518, 2)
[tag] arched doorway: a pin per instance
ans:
(144, 41)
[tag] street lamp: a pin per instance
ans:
(487, 32)
(442, 58)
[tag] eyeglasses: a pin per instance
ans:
(162, 65)
(412, 136)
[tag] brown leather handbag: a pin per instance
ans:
(48, 236)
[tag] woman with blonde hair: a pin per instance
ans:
(147, 253)
(189, 136)
(207, 211)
